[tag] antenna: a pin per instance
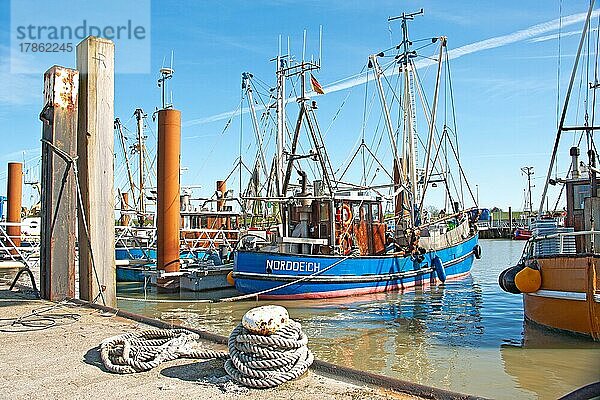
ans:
(320, 43)
(406, 16)
(304, 46)
(166, 74)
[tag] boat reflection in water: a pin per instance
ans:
(465, 335)
(570, 358)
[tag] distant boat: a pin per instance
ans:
(522, 233)
(559, 271)
(207, 236)
(334, 238)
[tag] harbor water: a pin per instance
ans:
(465, 335)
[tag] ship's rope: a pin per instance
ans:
(255, 361)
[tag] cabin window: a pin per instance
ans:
(356, 212)
(580, 192)
(203, 222)
(375, 212)
(324, 212)
(364, 212)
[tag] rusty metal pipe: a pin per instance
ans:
(14, 193)
(221, 188)
(167, 204)
(124, 221)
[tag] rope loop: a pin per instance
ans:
(253, 360)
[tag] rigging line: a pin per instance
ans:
(340, 108)
(436, 169)
(216, 140)
(425, 106)
(310, 166)
(567, 174)
(358, 138)
(578, 98)
(380, 136)
(595, 72)
(587, 79)
(558, 63)
(364, 123)
(455, 127)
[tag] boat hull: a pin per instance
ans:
(569, 299)
(258, 271)
(522, 234)
(138, 273)
(134, 273)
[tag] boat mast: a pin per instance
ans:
(399, 178)
(430, 140)
(279, 161)
(409, 113)
(139, 115)
(409, 162)
(528, 171)
(247, 84)
(564, 111)
(119, 128)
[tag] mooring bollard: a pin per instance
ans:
(267, 349)
(265, 320)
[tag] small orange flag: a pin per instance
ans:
(316, 86)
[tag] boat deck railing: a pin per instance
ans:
(215, 238)
(563, 243)
(14, 256)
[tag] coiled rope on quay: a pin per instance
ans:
(271, 353)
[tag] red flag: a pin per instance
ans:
(316, 86)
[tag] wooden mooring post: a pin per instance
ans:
(510, 223)
(58, 197)
(95, 143)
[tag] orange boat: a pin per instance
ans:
(559, 272)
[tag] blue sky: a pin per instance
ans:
(505, 96)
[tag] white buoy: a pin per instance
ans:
(265, 320)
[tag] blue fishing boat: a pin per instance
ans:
(334, 238)
(136, 264)
(132, 263)
(264, 271)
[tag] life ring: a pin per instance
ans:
(346, 214)
(477, 251)
(346, 244)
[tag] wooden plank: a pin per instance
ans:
(58, 197)
(95, 62)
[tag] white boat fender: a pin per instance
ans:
(477, 251)
(438, 266)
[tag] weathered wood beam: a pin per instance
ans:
(58, 197)
(95, 142)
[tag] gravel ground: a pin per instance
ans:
(63, 362)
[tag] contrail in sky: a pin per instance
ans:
(492, 43)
